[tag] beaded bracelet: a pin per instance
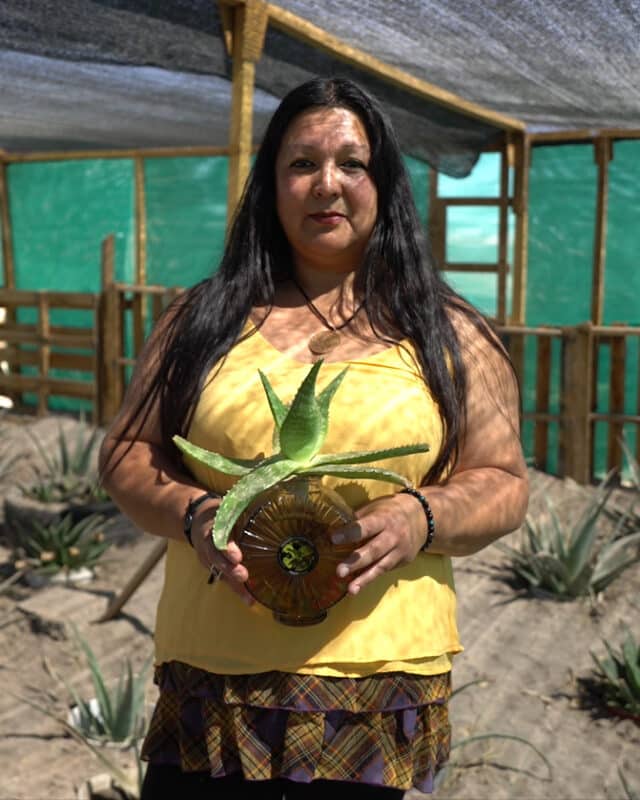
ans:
(431, 523)
(189, 514)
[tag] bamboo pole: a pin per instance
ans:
(521, 209)
(139, 306)
(319, 39)
(583, 135)
(5, 222)
(142, 152)
(437, 222)
(141, 221)
(45, 352)
(603, 153)
(503, 231)
(109, 374)
(247, 40)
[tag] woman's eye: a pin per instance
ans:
(301, 163)
(353, 163)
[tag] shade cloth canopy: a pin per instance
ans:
(84, 74)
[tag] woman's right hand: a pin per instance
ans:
(224, 564)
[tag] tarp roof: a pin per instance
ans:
(80, 74)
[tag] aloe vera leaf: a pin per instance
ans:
(229, 466)
(326, 395)
(121, 726)
(613, 559)
(278, 408)
(631, 654)
(238, 498)
(558, 532)
(365, 456)
(580, 548)
(346, 471)
(304, 429)
(102, 694)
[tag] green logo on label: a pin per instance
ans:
(298, 555)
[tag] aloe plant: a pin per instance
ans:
(117, 715)
(570, 561)
(300, 431)
(61, 544)
(69, 474)
(617, 676)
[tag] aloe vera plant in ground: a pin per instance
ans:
(300, 431)
(615, 682)
(571, 560)
(60, 545)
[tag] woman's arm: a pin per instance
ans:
(143, 479)
(484, 498)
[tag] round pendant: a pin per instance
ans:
(323, 341)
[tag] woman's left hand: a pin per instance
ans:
(391, 529)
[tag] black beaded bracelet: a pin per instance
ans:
(431, 523)
(189, 514)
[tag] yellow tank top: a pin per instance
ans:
(405, 619)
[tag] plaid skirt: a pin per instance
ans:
(390, 729)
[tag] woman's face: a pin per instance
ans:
(327, 202)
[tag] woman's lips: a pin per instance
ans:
(327, 217)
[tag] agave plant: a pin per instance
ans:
(69, 473)
(568, 561)
(114, 715)
(62, 544)
(300, 431)
(617, 676)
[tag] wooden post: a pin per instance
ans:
(139, 307)
(543, 384)
(5, 230)
(616, 399)
(44, 356)
(576, 404)
(247, 40)
(437, 222)
(521, 210)
(503, 231)
(603, 153)
(110, 387)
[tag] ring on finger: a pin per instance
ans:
(215, 573)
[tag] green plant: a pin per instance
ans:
(616, 678)
(61, 544)
(569, 560)
(116, 715)
(300, 431)
(69, 474)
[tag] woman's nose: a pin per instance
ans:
(327, 182)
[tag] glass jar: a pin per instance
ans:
(284, 538)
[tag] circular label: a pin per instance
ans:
(297, 555)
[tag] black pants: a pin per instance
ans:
(171, 783)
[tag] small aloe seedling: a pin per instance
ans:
(300, 431)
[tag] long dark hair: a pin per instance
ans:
(397, 282)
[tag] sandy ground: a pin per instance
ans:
(525, 652)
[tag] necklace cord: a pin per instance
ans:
(319, 315)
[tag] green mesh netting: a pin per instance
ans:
(61, 211)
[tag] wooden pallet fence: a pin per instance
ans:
(34, 351)
(614, 346)
(537, 384)
(128, 311)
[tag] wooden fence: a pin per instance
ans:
(576, 381)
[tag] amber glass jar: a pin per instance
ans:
(284, 538)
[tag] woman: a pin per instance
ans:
(325, 257)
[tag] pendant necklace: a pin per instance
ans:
(324, 341)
